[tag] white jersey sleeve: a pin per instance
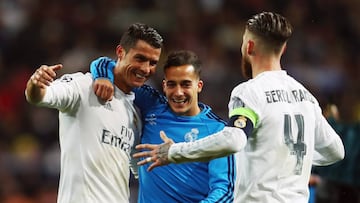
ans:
(225, 142)
(96, 139)
(328, 145)
(62, 93)
(290, 135)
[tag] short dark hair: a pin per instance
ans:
(271, 27)
(183, 57)
(139, 31)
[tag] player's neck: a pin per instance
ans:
(122, 85)
(265, 64)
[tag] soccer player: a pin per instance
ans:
(276, 124)
(96, 138)
(181, 114)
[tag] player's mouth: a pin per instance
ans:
(179, 101)
(140, 76)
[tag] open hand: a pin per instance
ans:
(156, 153)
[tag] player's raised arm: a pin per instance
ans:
(40, 79)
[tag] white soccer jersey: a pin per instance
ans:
(95, 138)
(290, 134)
(276, 162)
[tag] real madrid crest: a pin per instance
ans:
(240, 122)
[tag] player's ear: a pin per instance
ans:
(200, 85)
(120, 52)
(283, 49)
(250, 47)
(163, 84)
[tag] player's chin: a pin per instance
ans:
(178, 108)
(179, 111)
(139, 82)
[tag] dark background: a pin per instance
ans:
(323, 54)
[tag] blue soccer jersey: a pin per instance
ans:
(211, 181)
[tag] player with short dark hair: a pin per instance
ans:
(276, 125)
(97, 138)
(181, 114)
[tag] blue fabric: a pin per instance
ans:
(347, 170)
(103, 68)
(312, 190)
(189, 182)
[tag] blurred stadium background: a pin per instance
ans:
(323, 53)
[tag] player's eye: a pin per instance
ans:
(186, 84)
(170, 84)
(153, 63)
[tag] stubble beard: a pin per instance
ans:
(246, 68)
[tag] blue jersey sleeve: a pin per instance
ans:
(147, 97)
(103, 68)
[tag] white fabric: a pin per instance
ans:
(276, 162)
(95, 138)
(268, 169)
(223, 143)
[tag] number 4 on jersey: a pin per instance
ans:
(297, 148)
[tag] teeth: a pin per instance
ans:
(140, 76)
(179, 101)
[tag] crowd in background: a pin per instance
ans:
(323, 54)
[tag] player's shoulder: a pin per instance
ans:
(70, 77)
(149, 93)
(208, 113)
(245, 89)
(76, 80)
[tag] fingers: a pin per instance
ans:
(155, 153)
(156, 162)
(142, 162)
(51, 70)
(44, 75)
(56, 68)
(146, 146)
(142, 154)
(149, 159)
(152, 166)
(148, 155)
(104, 89)
(103, 92)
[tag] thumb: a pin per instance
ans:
(164, 137)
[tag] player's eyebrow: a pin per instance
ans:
(143, 58)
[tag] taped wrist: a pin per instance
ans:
(243, 118)
(102, 68)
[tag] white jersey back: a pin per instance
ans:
(275, 164)
(95, 138)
